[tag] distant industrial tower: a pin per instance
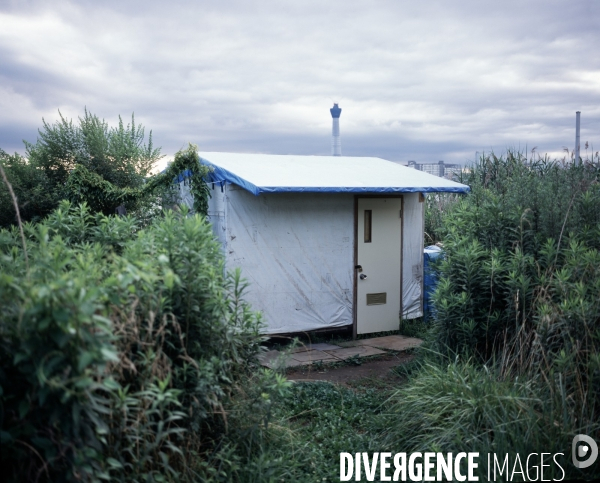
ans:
(577, 137)
(336, 144)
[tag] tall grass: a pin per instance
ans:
(462, 406)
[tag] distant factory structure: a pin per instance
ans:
(336, 143)
(441, 169)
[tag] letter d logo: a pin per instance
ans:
(588, 449)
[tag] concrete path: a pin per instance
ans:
(311, 353)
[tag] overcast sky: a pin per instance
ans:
(420, 81)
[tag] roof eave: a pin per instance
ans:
(219, 174)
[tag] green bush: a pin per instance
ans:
(84, 161)
(118, 155)
(512, 362)
(123, 351)
(519, 203)
(104, 168)
(514, 268)
(36, 193)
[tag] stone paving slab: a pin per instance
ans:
(321, 346)
(302, 348)
(360, 351)
(391, 342)
(312, 356)
(306, 355)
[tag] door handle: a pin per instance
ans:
(363, 276)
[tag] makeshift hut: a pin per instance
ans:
(324, 241)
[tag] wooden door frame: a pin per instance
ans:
(355, 258)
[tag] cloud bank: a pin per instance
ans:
(416, 81)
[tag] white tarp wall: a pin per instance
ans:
(412, 269)
(297, 252)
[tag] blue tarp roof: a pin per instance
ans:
(268, 173)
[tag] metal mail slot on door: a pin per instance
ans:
(377, 298)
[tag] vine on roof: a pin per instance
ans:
(84, 185)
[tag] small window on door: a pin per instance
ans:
(368, 218)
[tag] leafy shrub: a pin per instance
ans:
(35, 192)
(122, 351)
(86, 186)
(118, 155)
(512, 363)
(512, 268)
(516, 202)
(91, 155)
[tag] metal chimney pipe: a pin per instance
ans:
(577, 141)
(336, 143)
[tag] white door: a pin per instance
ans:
(379, 247)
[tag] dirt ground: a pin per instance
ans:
(378, 371)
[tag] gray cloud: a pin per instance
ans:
(423, 81)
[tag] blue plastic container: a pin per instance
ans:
(431, 254)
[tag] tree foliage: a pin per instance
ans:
(519, 202)
(37, 195)
(84, 186)
(90, 162)
(119, 155)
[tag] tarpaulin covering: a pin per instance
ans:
(412, 256)
(268, 173)
(297, 252)
(295, 241)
